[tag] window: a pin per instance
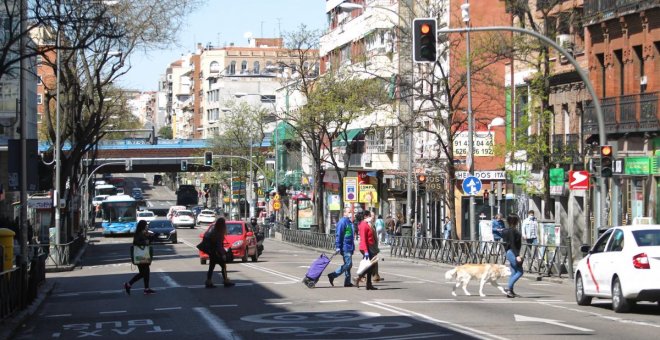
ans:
(232, 67)
(214, 67)
(40, 99)
(619, 68)
(602, 242)
(617, 241)
(40, 80)
(39, 60)
(268, 98)
(244, 67)
(255, 68)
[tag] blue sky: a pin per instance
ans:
(225, 21)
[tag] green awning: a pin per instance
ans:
(284, 131)
(349, 135)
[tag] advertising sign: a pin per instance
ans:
(350, 189)
(368, 194)
(578, 180)
(556, 181)
(483, 144)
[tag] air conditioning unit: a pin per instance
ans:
(565, 41)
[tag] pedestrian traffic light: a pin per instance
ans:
(208, 158)
(486, 194)
(606, 161)
(421, 179)
(184, 165)
(424, 40)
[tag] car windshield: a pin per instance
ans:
(160, 224)
(647, 238)
(234, 229)
(207, 212)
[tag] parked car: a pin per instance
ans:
(173, 209)
(205, 218)
(623, 265)
(98, 199)
(184, 218)
(163, 231)
(240, 238)
(146, 215)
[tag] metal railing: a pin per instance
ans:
(544, 260)
(15, 293)
(60, 255)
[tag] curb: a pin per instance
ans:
(10, 327)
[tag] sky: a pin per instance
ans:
(220, 22)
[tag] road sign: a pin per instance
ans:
(471, 185)
(276, 197)
(277, 205)
(578, 180)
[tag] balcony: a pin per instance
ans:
(629, 113)
(599, 10)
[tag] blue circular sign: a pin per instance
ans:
(471, 185)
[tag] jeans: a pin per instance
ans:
(345, 268)
(516, 269)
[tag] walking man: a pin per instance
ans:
(498, 226)
(344, 244)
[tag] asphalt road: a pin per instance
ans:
(270, 302)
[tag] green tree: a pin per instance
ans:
(165, 132)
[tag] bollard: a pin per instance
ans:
(7, 243)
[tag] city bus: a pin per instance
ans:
(105, 189)
(119, 215)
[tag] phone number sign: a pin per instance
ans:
(483, 144)
(435, 182)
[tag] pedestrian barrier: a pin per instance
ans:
(60, 255)
(15, 294)
(544, 260)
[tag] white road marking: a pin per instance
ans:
(169, 281)
(277, 303)
(113, 312)
(441, 299)
(453, 326)
(606, 317)
(409, 277)
(217, 325)
(332, 301)
(523, 318)
(67, 294)
(550, 300)
(222, 306)
(167, 308)
(271, 271)
(58, 315)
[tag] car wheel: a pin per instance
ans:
(619, 303)
(245, 256)
(581, 299)
(202, 261)
(174, 240)
(255, 257)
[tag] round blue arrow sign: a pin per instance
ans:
(471, 185)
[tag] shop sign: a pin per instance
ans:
(483, 175)
(368, 194)
(556, 181)
(333, 203)
(637, 166)
(482, 146)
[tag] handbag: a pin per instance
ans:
(205, 245)
(141, 254)
(365, 264)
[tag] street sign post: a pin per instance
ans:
(471, 185)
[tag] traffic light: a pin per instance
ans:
(421, 179)
(606, 161)
(424, 40)
(486, 195)
(208, 158)
(184, 165)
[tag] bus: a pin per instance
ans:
(119, 215)
(105, 189)
(187, 195)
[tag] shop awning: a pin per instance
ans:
(348, 135)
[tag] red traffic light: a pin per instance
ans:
(425, 28)
(606, 150)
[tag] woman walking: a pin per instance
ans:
(513, 239)
(141, 239)
(368, 248)
(217, 254)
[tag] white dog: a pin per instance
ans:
(485, 272)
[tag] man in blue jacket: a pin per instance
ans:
(344, 244)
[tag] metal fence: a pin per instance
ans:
(544, 260)
(62, 255)
(15, 293)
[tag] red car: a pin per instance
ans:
(240, 238)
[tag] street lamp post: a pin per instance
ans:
(465, 12)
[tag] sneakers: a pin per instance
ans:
(348, 285)
(228, 284)
(127, 288)
(209, 284)
(331, 279)
(149, 291)
(509, 293)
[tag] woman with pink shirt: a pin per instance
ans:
(368, 247)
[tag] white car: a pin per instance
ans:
(623, 265)
(146, 215)
(205, 218)
(172, 211)
(98, 199)
(184, 218)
